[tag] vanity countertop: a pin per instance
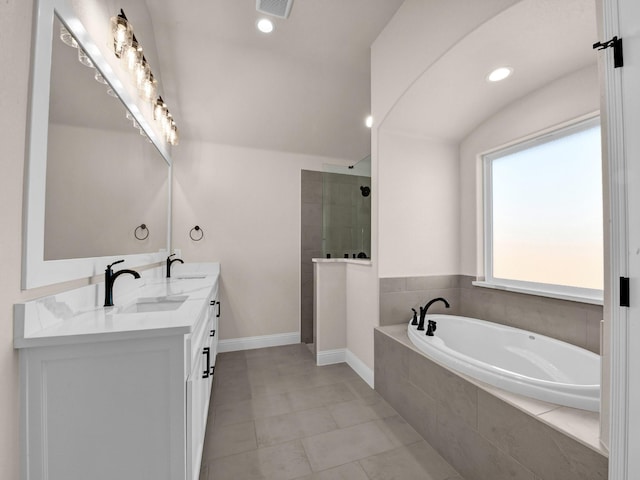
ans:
(73, 317)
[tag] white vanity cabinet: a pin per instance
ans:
(110, 396)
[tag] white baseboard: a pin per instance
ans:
(343, 355)
(359, 367)
(329, 357)
(250, 343)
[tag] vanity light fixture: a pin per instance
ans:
(128, 49)
(162, 115)
(499, 74)
(265, 25)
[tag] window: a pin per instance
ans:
(543, 214)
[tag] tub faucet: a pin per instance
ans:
(170, 261)
(423, 314)
(109, 280)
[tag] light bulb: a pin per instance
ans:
(499, 74)
(133, 56)
(368, 121)
(173, 135)
(122, 34)
(265, 25)
(150, 87)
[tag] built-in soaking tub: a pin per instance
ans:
(514, 360)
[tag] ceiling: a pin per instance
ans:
(542, 40)
(304, 88)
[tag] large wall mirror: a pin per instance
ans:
(96, 170)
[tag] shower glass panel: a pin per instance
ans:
(346, 210)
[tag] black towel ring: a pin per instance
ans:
(196, 229)
(143, 228)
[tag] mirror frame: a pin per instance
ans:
(36, 271)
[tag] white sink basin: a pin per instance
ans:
(155, 304)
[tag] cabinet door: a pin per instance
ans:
(198, 388)
(104, 411)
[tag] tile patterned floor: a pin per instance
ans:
(275, 415)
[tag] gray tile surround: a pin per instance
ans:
(572, 322)
(481, 435)
(310, 245)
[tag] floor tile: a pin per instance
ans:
(275, 415)
(335, 448)
(360, 387)
(398, 431)
(418, 461)
(230, 439)
(305, 398)
(204, 472)
(291, 426)
(258, 407)
(350, 471)
(282, 462)
(361, 410)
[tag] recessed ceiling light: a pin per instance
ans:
(265, 25)
(368, 121)
(499, 74)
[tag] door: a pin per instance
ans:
(622, 18)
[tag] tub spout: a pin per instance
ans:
(423, 314)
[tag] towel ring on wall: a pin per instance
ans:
(143, 228)
(196, 229)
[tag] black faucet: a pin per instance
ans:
(109, 280)
(170, 261)
(431, 326)
(415, 317)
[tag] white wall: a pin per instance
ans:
(565, 99)
(330, 306)
(418, 206)
(15, 25)
(248, 204)
(362, 315)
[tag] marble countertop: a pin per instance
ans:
(76, 316)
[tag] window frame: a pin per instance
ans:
(585, 295)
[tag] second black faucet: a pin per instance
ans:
(170, 261)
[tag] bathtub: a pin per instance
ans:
(514, 360)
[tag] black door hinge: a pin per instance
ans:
(616, 44)
(624, 291)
